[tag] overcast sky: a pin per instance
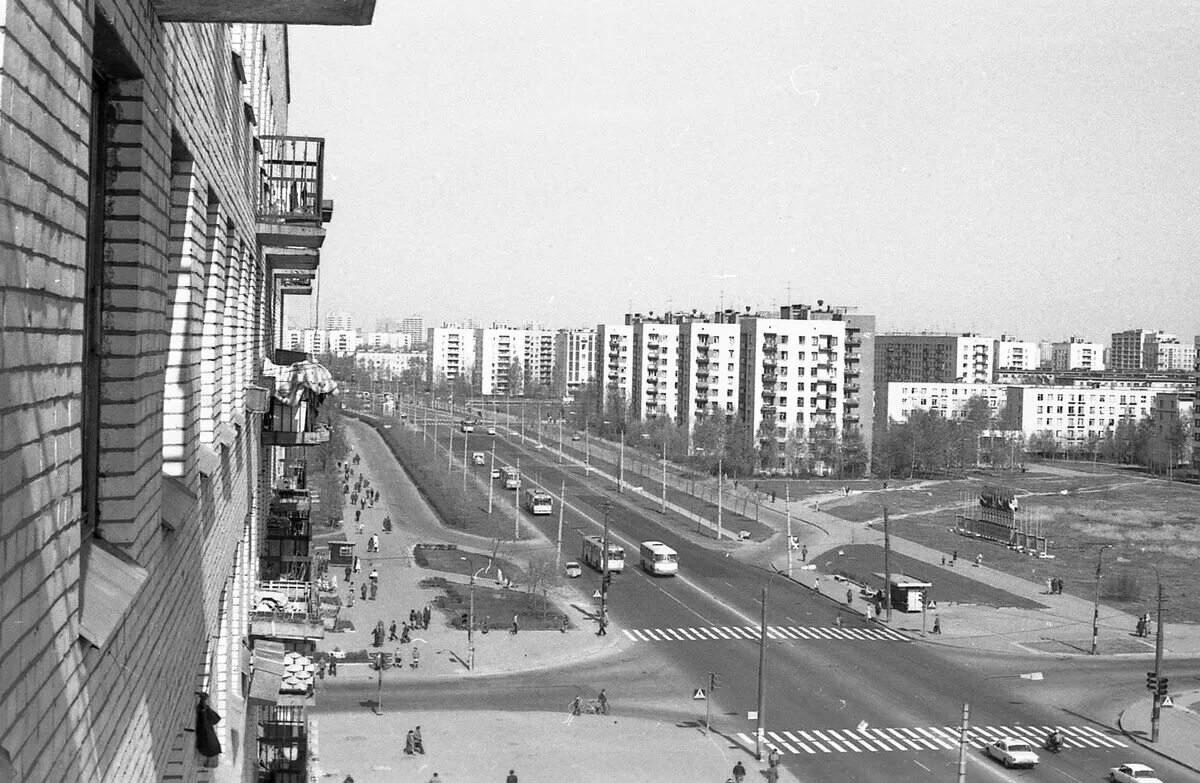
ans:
(1019, 168)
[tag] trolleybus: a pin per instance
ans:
(594, 545)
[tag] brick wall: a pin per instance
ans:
(179, 256)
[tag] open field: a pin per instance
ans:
(1146, 522)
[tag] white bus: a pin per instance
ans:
(594, 545)
(512, 478)
(658, 558)
(538, 501)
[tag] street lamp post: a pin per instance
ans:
(965, 726)
(471, 619)
(760, 721)
(1096, 602)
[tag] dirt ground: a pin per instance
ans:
(1147, 523)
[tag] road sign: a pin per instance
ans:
(596, 594)
(1167, 702)
(699, 695)
(752, 715)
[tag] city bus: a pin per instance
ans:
(658, 559)
(594, 545)
(538, 501)
(512, 478)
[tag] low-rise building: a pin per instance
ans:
(948, 399)
(1012, 354)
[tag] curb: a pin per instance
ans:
(1140, 741)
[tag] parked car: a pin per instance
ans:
(491, 430)
(1133, 773)
(495, 473)
(573, 570)
(478, 457)
(1013, 753)
(576, 436)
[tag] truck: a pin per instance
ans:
(478, 457)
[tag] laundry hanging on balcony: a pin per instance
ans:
(207, 742)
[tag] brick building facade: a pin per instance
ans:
(139, 299)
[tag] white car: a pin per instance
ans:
(573, 569)
(1013, 753)
(576, 436)
(491, 430)
(1133, 773)
(495, 473)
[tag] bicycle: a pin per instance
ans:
(595, 707)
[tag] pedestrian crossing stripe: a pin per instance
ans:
(753, 633)
(921, 739)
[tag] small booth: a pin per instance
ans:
(341, 553)
(908, 593)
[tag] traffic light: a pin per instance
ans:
(714, 681)
(607, 581)
(1162, 686)
(1152, 682)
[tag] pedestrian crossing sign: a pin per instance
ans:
(596, 594)
(699, 695)
(1167, 702)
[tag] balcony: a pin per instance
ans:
(296, 283)
(291, 210)
(770, 377)
(287, 260)
(769, 361)
(768, 395)
(768, 410)
(318, 12)
(701, 384)
(286, 609)
(293, 425)
(291, 501)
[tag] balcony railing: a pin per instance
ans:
(286, 609)
(321, 12)
(293, 425)
(291, 501)
(293, 178)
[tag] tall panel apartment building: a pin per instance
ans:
(539, 360)
(1077, 354)
(614, 367)
(655, 385)
(1127, 349)
(340, 321)
(414, 327)
(574, 359)
(933, 358)
(154, 217)
(709, 369)
(451, 352)
(792, 374)
(1167, 353)
(1009, 353)
(500, 361)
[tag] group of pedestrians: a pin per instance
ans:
(413, 742)
(1054, 585)
(771, 775)
(1143, 625)
(419, 619)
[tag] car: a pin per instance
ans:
(576, 436)
(1133, 773)
(491, 430)
(573, 569)
(1013, 753)
(495, 473)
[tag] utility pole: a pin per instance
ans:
(604, 576)
(560, 451)
(621, 464)
(587, 453)
(787, 507)
(887, 566)
(562, 505)
(466, 439)
(963, 729)
(663, 510)
(449, 449)
(517, 505)
(720, 485)
(759, 732)
(492, 477)
(1158, 678)
(1096, 602)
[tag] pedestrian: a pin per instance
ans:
(978, 559)
(412, 617)
(575, 704)
(348, 572)
(773, 758)
(392, 632)
(364, 591)
(374, 590)
(955, 556)
(374, 575)
(416, 663)
(804, 552)
(1050, 586)
(563, 628)
(515, 627)
(1141, 627)
(332, 666)
(321, 670)
(772, 496)
(869, 612)
(849, 595)
(838, 621)
(408, 743)
(418, 744)
(943, 560)
(357, 565)
(358, 519)
(425, 619)
(1060, 585)
(845, 490)
(937, 623)
(512, 777)
(603, 699)
(739, 772)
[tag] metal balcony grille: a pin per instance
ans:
(292, 180)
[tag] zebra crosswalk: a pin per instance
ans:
(922, 738)
(714, 633)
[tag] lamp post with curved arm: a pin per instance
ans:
(471, 619)
(1096, 603)
(760, 731)
(965, 726)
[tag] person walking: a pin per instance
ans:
(374, 590)
(937, 623)
(773, 758)
(418, 743)
(392, 632)
(332, 666)
(603, 699)
(739, 772)
(425, 618)
(364, 591)
(575, 704)
(515, 626)
(321, 670)
(979, 559)
(512, 777)
(408, 743)
(804, 553)
(416, 662)
(849, 595)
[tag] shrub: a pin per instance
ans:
(1122, 587)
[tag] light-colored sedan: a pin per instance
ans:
(1013, 753)
(1133, 773)
(491, 430)
(573, 570)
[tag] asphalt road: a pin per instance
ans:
(822, 683)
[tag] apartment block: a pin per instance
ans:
(1167, 353)
(1077, 354)
(614, 364)
(500, 356)
(414, 327)
(1073, 414)
(709, 370)
(1009, 353)
(154, 217)
(451, 353)
(339, 321)
(574, 359)
(791, 376)
(386, 341)
(1128, 349)
(1175, 435)
(929, 358)
(655, 383)
(387, 365)
(948, 399)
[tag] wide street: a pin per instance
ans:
(843, 699)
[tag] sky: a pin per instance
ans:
(1021, 168)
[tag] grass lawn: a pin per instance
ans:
(496, 607)
(465, 562)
